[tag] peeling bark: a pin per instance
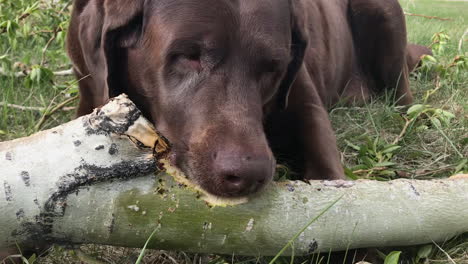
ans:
(93, 180)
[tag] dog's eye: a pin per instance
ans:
(188, 59)
(191, 60)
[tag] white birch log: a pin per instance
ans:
(93, 180)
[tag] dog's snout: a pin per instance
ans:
(239, 174)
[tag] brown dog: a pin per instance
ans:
(225, 80)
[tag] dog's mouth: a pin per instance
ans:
(206, 196)
(222, 179)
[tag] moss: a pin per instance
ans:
(176, 210)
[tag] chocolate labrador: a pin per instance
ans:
(230, 82)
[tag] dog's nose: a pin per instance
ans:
(240, 174)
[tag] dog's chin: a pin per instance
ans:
(183, 176)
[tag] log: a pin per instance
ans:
(94, 180)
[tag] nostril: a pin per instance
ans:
(233, 179)
(214, 155)
(247, 158)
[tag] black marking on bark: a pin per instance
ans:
(100, 147)
(33, 231)
(113, 149)
(8, 156)
(112, 224)
(414, 190)
(8, 195)
(36, 202)
(87, 174)
(84, 175)
(338, 184)
(20, 214)
(26, 178)
(105, 125)
(77, 143)
(313, 246)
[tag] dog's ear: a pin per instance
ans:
(107, 28)
(298, 47)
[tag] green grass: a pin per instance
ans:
(425, 151)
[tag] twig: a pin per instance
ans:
(428, 17)
(20, 107)
(26, 72)
(422, 173)
(63, 72)
(460, 42)
(32, 108)
(443, 251)
(47, 114)
(44, 50)
(370, 170)
(403, 131)
(433, 91)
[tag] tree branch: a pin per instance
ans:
(93, 180)
(428, 17)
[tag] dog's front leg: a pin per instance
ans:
(316, 136)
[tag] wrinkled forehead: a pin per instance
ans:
(266, 19)
(244, 20)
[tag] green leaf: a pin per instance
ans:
(461, 166)
(355, 147)
(363, 151)
(415, 110)
(387, 173)
(464, 141)
(384, 164)
(393, 257)
(28, 82)
(350, 174)
(368, 162)
(375, 144)
(39, 75)
(359, 167)
(379, 155)
(33, 74)
(2, 132)
(380, 254)
(32, 259)
(422, 128)
(424, 252)
(390, 148)
(73, 90)
(429, 58)
(60, 36)
(436, 122)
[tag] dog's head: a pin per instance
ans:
(203, 71)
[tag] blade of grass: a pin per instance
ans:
(291, 241)
(142, 253)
